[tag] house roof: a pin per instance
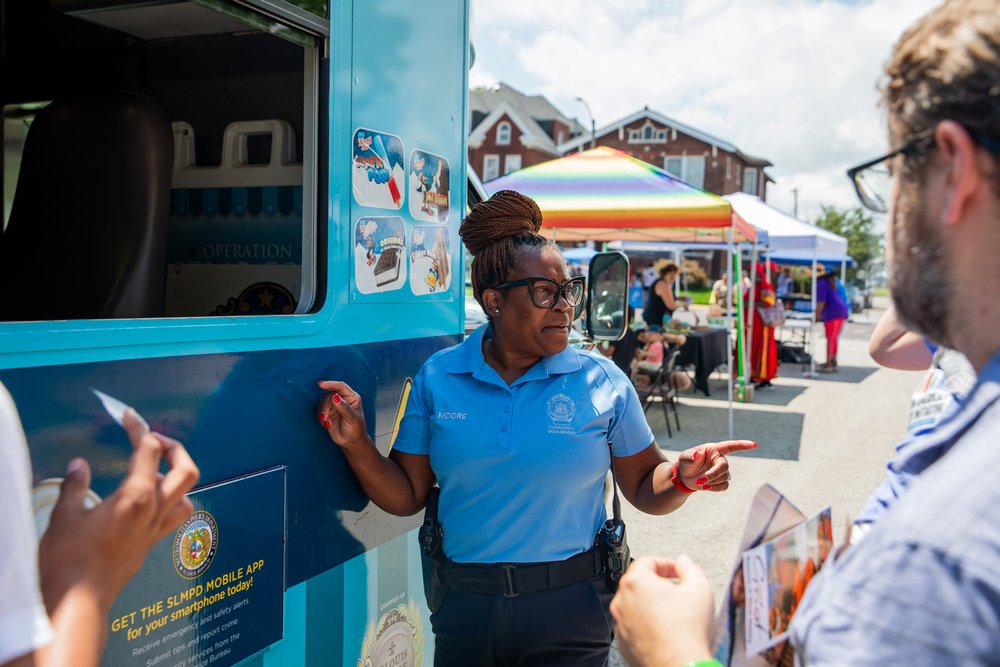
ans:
(646, 112)
(524, 110)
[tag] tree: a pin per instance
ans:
(857, 226)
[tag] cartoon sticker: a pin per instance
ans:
(430, 259)
(377, 174)
(429, 187)
(379, 254)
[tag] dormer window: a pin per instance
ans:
(647, 133)
(503, 134)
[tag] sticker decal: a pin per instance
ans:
(404, 396)
(396, 640)
(379, 254)
(377, 174)
(429, 187)
(430, 259)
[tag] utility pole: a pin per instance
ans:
(795, 205)
(593, 126)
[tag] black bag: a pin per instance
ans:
(432, 558)
(611, 540)
(793, 354)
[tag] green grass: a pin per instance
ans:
(880, 291)
(699, 297)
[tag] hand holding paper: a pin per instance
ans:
(88, 553)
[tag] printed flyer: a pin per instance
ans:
(771, 515)
(776, 575)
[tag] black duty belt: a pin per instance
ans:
(513, 579)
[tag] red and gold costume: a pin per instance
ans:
(763, 348)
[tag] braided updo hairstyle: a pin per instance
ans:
(496, 233)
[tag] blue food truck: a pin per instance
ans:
(210, 205)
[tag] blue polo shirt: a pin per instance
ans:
(521, 467)
(922, 588)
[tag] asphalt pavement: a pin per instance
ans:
(821, 441)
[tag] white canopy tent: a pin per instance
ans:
(787, 233)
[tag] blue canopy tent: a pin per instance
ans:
(579, 255)
(805, 258)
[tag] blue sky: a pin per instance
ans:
(794, 81)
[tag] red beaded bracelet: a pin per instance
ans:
(675, 479)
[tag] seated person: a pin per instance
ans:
(649, 357)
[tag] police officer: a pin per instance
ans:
(514, 427)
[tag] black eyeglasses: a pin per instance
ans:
(873, 181)
(545, 292)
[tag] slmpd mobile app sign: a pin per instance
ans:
(209, 593)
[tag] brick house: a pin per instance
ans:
(694, 156)
(512, 130)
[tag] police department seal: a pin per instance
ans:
(195, 544)
(561, 410)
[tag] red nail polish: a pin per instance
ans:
(695, 455)
(755, 445)
(322, 416)
(707, 486)
(326, 425)
(336, 399)
(701, 481)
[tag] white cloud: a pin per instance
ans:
(790, 80)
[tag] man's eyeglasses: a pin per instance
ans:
(545, 292)
(873, 181)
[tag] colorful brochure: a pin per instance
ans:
(785, 550)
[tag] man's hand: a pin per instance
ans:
(663, 613)
(88, 555)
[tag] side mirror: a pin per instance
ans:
(607, 289)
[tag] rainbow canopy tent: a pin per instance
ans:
(606, 195)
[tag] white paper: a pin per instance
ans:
(116, 408)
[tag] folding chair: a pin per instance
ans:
(662, 385)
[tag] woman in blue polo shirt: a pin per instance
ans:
(514, 427)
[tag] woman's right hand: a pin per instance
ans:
(340, 413)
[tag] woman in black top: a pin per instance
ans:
(661, 298)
